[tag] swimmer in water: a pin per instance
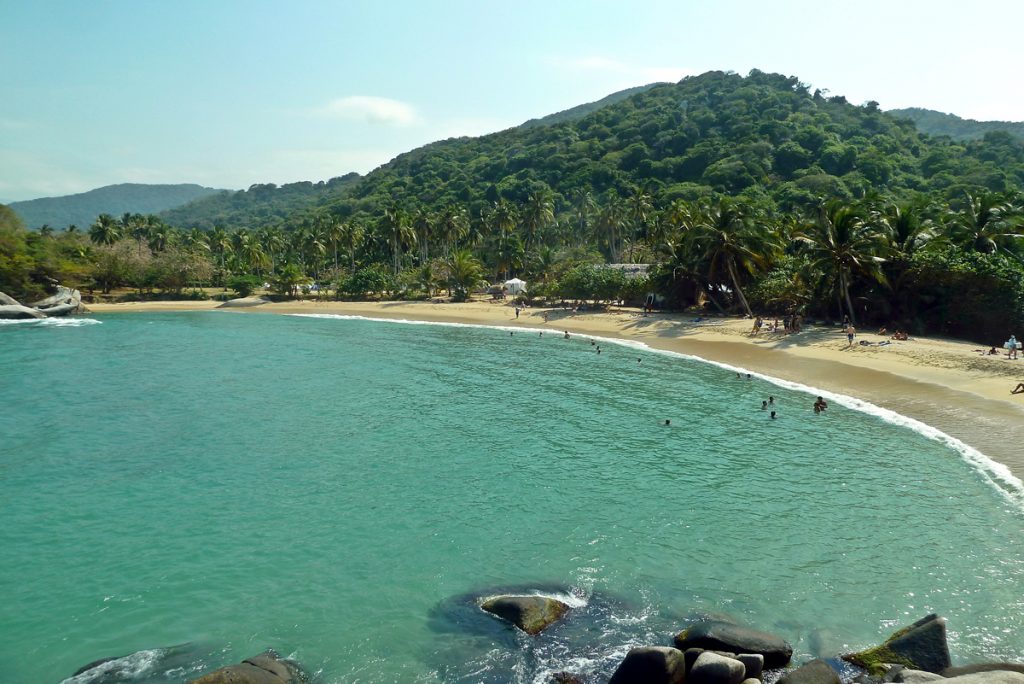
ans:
(771, 401)
(668, 422)
(566, 334)
(773, 415)
(764, 405)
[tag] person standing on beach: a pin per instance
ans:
(851, 332)
(517, 311)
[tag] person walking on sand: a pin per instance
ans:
(1011, 347)
(851, 332)
(517, 311)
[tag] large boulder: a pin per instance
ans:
(532, 614)
(243, 302)
(920, 646)
(266, 668)
(19, 311)
(982, 667)
(8, 301)
(814, 672)
(722, 636)
(712, 668)
(651, 665)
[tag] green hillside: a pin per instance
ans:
(82, 209)
(936, 123)
(258, 207)
(580, 111)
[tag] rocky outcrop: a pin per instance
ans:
(532, 614)
(982, 667)
(266, 668)
(8, 301)
(920, 646)
(722, 636)
(11, 311)
(908, 676)
(66, 301)
(814, 672)
(651, 665)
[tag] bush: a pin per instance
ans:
(244, 285)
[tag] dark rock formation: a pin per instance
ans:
(713, 668)
(651, 665)
(266, 668)
(532, 614)
(920, 646)
(753, 664)
(722, 636)
(243, 302)
(814, 672)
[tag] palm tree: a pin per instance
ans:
(503, 222)
(583, 207)
(463, 272)
(220, 244)
(453, 226)
(985, 224)
(538, 214)
(842, 245)
(423, 228)
(394, 225)
(727, 240)
(609, 221)
(639, 208)
(105, 230)
(334, 233)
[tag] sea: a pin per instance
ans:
(180, 491)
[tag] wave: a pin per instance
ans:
(996, 474)
(50, 322)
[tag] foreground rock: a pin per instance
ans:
(982, 677)
(13, 311)
(651, 665)
(266, 668)
(714, 668)
(814, 672)
(982, 667)
(242, 302)
(920, 646)
(722, 636)
(532, 614)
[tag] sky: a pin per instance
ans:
(228, 93)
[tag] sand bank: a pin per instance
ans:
(947, 384)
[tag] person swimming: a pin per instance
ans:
(771, 401)
(773, 415)
(820, 404)
(668, 422)
(566, 334)
(764, 405)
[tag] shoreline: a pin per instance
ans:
(945, 384)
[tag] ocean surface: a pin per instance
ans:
(189, 489)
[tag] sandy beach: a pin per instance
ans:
(951, 385)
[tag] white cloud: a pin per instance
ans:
(377, 110)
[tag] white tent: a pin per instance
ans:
(515, 286)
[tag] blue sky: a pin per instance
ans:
(229, 93)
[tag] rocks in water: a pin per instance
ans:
(532, 614)
(11, 311)
(753, 664)
(814, 672)
(7, 300)
(920, 646)
(651, 664)
(722, 636)
(982, 667)
(242, 302)
(566, 678)
(266, 668)
(713, 668)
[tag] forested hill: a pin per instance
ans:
(580, 111)
(259, 206)
(937, 123)
(763, 137)
(82, 209)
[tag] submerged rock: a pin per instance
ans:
(651, 665)
(266, 668)
(814, 672)
(721, 636)
(532, 614)
(920, 646)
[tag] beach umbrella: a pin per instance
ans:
(515, 286)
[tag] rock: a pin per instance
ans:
(990, 677)
(727, 637)
(920, 646)
(8, 301)
(243, 302)
(690, 656)
(753, 664)
(19, 311)
(982, 667)
(532, 614)
(651, 665)
(266, 668)
(566, 678)
(752, 680)
(917, 676)
(814, 672)
(712, 668)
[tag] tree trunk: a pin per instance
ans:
(739, 291)
(845, 287)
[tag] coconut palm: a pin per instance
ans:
(609, 224)
(423, 224)
(842, 246)
(395, 227)
(453, 226)
(538, 213)
(985, 223)
(463, 272)
(726, 239)
(105, 230)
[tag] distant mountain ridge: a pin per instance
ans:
(83, 208)
(932, 122)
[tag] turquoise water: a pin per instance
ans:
(341, 490)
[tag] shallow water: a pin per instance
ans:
(340, 490)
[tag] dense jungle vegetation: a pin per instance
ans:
(744, 194)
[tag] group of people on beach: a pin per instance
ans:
(789, 324)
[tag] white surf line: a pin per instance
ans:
(996, 474)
